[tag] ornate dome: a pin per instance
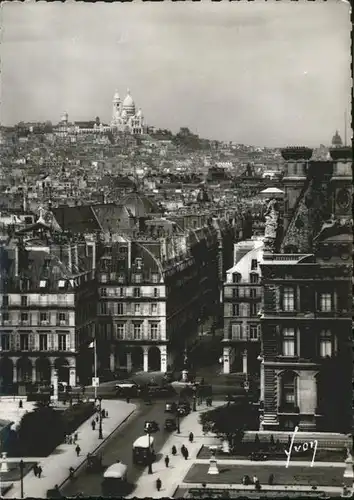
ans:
(128, 104)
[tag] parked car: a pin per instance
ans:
(151, 426)
(170, 407)
(170, 424)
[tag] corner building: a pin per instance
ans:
(306, 367)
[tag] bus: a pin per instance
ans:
(143, 450)
(115, 481)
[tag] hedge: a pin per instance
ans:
(76, 415)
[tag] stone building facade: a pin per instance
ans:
(306, 275)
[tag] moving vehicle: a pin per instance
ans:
(143, 450)
(115, 481)
(258, 456)
(170, 407)
(183, 408)
(170, 424)
(151, 426)
(127, 388)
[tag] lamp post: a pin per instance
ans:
(178, 426)
(194, 402)
(22, 465)
(150, 456)
(100, 435)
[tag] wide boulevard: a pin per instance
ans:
(119, 447)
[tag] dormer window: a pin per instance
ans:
(254, 264)
(61, 283)
(42, 283)
(236, 278)
(139, 263)
(254, 278)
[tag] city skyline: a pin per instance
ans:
(266, 74)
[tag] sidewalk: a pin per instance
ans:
(56, 466)
(172, 476)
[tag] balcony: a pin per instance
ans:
(288, 409)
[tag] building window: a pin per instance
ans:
(120, 330)
(43, 342)
(24, 317)
(288, 393)
(254, 278)
(154, 331)
(254, 332)
(103, 292)
(235, 293)
(236, 278)
(236, 332)
(137, 278)
(43, 317)
(155, 277)
(289, 299)
(24, 342)
(42, 283)
(325, 343)
(235, 309)
(289, 342)
(253, 293)
(103, 278)
(136, 308)
(62, 342)
(62, 318)
(103, 308)
(137, 329)
(24, 301)
(121, 292)
(156, 292)
(254, 309)
(120, 308)
(6, 316)
(5, 342)
(5, 300)
(254, 264)
(325, 302)
(136, 292)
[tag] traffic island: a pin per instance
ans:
(208, 491)
(292, 476)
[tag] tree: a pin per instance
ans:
(227, 422)
(40, 431)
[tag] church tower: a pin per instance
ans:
(117, 109)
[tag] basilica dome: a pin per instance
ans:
(128, 104)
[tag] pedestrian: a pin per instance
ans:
(167, 460)
(183, 450)
(186, 454)
(128, 399)
(174, 450)
(76, 437)
(158, 484)
(77, 449)
(35, 470)
(70, 439)
(191, 437)
(93, 425)
(71, 473)
(39, 471)
(97, 419)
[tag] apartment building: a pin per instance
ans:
(242, 306)
(47, 303)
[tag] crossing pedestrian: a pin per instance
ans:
(39, 471)
(158, 484)
(186, 454)
(77, 449)
(191, 437)
(76, 437)
(71, 473)
(167, 460)
(174, 450)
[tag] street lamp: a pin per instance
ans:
(150, 456)
(194, 402)
(22, 465)
(178, 426)
(100, 435)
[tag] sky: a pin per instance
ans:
(262, 73)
